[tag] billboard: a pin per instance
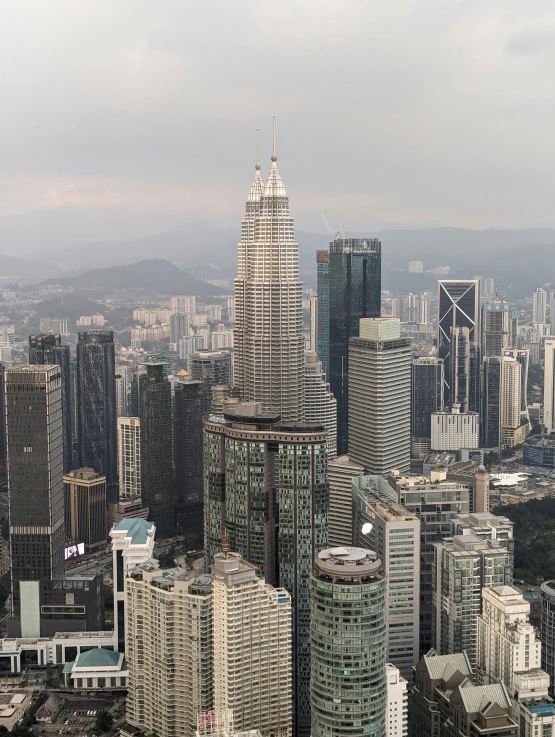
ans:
(74, 550)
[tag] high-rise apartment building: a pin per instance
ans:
(416, 267)
(341, 474)
(85, 508)
(122, 391)
(179, 326)
(397, 714)
(501, 403)
(348, 685)
(379, 396)
(424, 309)
(453, 430)
(129, 458)
(185, 305)
(212, 367)
(523, 358)
(35, 477)
(459, 307)
(96, 388)
(426, 398)
(155, 414)
(547, 629)
(314, 323)
(320, 404)
(269, 342)
(48, 349)
(539, 308)
(419, 495)
(383, 526)
(266, 483)
(463, 566)
(354, 293)
(252, 648)
(169, 651)
(499, 327)
(549, 386)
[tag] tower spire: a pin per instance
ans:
(257, 166)
(257, 187)
(274, 157)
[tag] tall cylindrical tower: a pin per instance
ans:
(548, 628)
(347, 636)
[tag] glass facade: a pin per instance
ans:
(47, 348)
(426, 397)
(348, 686)
(323, 288)
(96, 385)
(155, 414)
(354, 293)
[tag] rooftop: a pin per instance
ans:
(442, 667)
(137, 529)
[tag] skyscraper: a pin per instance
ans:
(426, 398)
(323, 322)
(499, 327)
(320, 404)
(96, 389)
(501, 403)
(265, 482)
(379, 396)
(85, 508)
(549, 386)
(523, 357)
(122, 391)
(211, 367)
(348, 682)
(539, 308)
(458, 307)
(35, 477)
(155, 414)
(269, 342)
(179, 326)
(129, 458)
(354, 293)
(252, 648)
(341, 474)
(47, 348)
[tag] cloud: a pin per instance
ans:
(436, 111)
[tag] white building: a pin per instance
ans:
(539, 310)
(320, 404)
(341, 472)
(7, 334)
(129, 458)
(416, 267)
(190, 345)
(222, 339)
(168, 649)
(314, 323)
(396, 718)
(549, 386)
(184, 304)
(454, 430)
(252, 648)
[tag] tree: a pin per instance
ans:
(104, 720)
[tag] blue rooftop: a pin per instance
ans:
(137, 529)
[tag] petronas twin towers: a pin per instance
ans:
(269, 343)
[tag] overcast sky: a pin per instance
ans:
(399, 112)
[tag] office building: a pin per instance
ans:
(444, 695)
(454, 430)
(123, 389)
(269, 342)
(424, 309)
(547, 629)
(252, 648)
(396, 717)
(191, 400)
(539, 308)
(341, 474)
(85, 509)
(184, 305)
(35, 477)
(416, 267)
(54, 325)
(48, 349)
(2, 421)
(212, 367)
(129, 458)
(485, 526)
(549, 386)
(426, 398)
(350, 584)
(509, 650)
(552, 312)
(354, 293)
(379, 397)
(179, 326)
(265, 482)
(155, 415)
(499, 327)
(320, 404)
(464, 371)
(418, 495)
(501, 403)
(462, 567)
(392, 532)
(458, 307)
(323, 321)
(96, 389)
(169, 650)
(523, 358)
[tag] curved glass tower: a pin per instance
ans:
(348, 680)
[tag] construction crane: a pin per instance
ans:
(507, 290)
(330, 231)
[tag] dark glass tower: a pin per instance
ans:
(426, 397)
(213, 367)
(490, 421)
(323, 288)
(354, 293)
(47, 348)
(155, 413)
(96, 384)
(459, 307)
(35, 474)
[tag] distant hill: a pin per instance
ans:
(153, 275)
(68, 306)
(28, 270)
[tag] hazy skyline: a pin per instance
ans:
(388, 113)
